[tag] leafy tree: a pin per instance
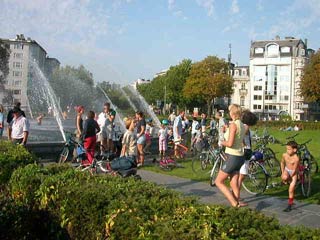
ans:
(208, 80)
(175, 80)
(310, 82)
(4, 61)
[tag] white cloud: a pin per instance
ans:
(171, 4)
(208, 5)
(234, 7)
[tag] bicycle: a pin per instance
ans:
(256, 181)
(218, 158)
(304, 177)
(68, 147)
(271, 163)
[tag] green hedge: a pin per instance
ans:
(107, 207)
(11, 157)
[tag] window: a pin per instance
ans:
(243, 86)
(17, 74)
(255, 106)
(285, 50)
(302, 52)
(258, 50)
(257, 97)
(244, 73)
(236, 73)
(17, 65)
(17, 83)
(257, 88)
(273, 50)
(241, 101)
(18, 55)
(18, 46)
(17, 92)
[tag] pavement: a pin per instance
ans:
(304, 214)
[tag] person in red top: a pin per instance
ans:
(90, 129)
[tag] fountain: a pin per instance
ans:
(145, 106)
(44, 91)
(129, 100)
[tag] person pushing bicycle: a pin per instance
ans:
(289, 170)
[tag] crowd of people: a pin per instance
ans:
(233, 136)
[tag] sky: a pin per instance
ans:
(123, 40)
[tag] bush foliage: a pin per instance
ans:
(108, 207)
(11, 157)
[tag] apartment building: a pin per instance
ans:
(23, 50)
(275, 75)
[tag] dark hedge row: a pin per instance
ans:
(106, 207)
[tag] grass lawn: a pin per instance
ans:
(279, 191)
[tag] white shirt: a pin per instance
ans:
(19, 125)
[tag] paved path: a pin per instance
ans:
(302, 214)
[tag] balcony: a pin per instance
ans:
(243, 92)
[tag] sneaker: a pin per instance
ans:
(288, 209)
(139, 165)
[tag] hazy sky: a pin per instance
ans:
(122, 40)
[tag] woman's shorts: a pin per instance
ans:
(141, 139)
(232, 164)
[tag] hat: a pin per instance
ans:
(16, 110)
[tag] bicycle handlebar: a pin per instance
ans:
(292, 137)
(305, 143)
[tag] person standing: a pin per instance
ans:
(177, 131)
(171, 118)
(222, 125)
(141, 138)
(90, 129)
(203, 123)
(105, 121)
(1, 120)
(234, 137)
(19, 127)
(79, 121)
(10, 116)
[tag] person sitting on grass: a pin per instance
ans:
(289, 170)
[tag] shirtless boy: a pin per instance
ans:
(289, 170)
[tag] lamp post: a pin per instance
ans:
(165, 99)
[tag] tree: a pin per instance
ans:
(175, 80)
(208, 80)
(4, 61)
(310, 81)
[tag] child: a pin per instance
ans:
(289, 170)
(163, 135)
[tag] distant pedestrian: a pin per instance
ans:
(171, 117)
(141, 138)
(222, 125)
(163, 138)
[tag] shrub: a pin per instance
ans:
(11, 157)
(108, 207)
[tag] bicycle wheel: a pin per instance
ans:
(257, 180)
(272, 165)
(63, 155)
(199, 163)
(214, 171)
(306, 183)
(314, 165)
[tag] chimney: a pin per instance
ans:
(306, 42)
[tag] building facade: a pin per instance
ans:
(22, 52)
(275, 74)
(241, 86)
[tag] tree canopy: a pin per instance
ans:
(208, 80)
(4, 61)
(310, 82)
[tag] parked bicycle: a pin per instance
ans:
(271, 163)
(256, 181)
(68, 148)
